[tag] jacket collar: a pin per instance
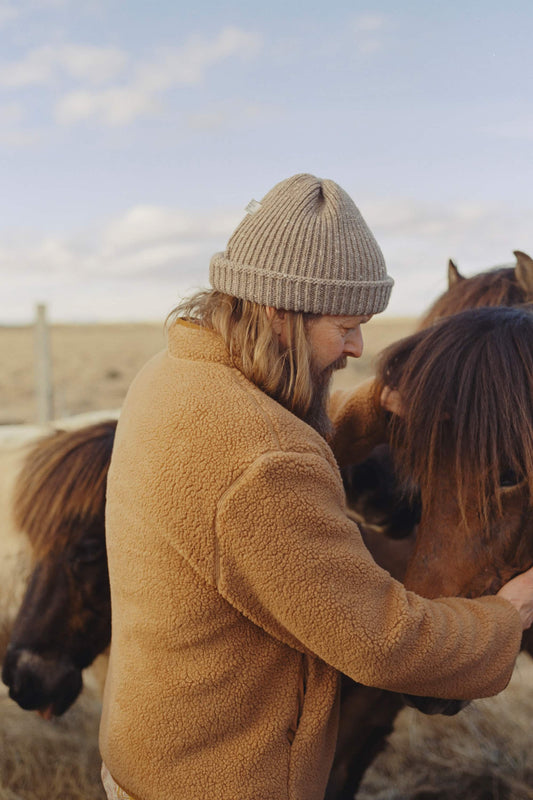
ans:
(190, 341)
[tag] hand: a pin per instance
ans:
(391, 401)
(519, 592)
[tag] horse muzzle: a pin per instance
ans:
(435, 705)
(45, 684)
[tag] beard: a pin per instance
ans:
(317, 415)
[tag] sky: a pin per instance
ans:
(133, 134)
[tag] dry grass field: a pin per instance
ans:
(93, 365)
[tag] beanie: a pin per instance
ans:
(304, 247)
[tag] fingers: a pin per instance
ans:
(519, 592)
(391, 401)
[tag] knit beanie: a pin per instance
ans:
(304, 247)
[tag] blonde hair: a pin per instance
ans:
(246, 328)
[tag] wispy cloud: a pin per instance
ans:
(231, 115)
(368, 32)
(12, 130)
(418, 239)
(144, 241)
(8, 12)
(163, 252)
(513, 130)
(44, 65)
(142, 93)
(129, 89)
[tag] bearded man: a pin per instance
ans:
(240, 588)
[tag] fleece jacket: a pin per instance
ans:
(241, 590)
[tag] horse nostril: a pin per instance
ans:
(8, 666)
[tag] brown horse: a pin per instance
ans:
(467, 435)
(64, 621)
(383, 508)
(499, 286)
(375, 498)
(465, 447)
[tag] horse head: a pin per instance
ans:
(64, 621)
(466, 442)
(499, 286)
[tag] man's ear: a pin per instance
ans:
(277, 319)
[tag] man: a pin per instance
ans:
(240, 589)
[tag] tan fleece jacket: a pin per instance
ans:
(240, 589)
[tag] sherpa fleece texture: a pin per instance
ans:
(240, 589)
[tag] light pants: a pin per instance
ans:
(112, 789)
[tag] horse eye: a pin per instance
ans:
(509, 478)
(90, 550)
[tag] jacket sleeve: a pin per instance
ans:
(359, 422)
(290, 560)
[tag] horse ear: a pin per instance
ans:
(454, 276)
(524, 272)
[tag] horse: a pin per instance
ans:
(499, 286)
(466, 435)
(389, 516)
(375, 498)
(64, 620)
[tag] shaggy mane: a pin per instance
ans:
(467, 392)
(63, 481)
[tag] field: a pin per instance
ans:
(93, 365)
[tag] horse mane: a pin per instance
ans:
(62, 484)
(466, 385)
(494, 287)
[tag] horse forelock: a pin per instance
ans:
(467, 391)
(61, 486)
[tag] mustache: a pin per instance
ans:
(340, 363)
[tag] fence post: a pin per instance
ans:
(45, 394)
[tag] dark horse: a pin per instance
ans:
(64, 621)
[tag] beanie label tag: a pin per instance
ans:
(252, 207)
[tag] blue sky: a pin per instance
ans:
(132, 135)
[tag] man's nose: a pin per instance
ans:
(353, 345)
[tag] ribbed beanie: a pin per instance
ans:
(304, 247)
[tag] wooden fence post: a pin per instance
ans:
(43, 363)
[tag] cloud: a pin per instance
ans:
(231, 115)
(112, 106)
(418, 239)
(367, 31)
(10, 114)
(46, 64)
(160, 253)
(513, 130)
(144, 241)
(8, 12)
(188, 65)
(136, 266)
(368, 23)
(169, 68)
(12, 132)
